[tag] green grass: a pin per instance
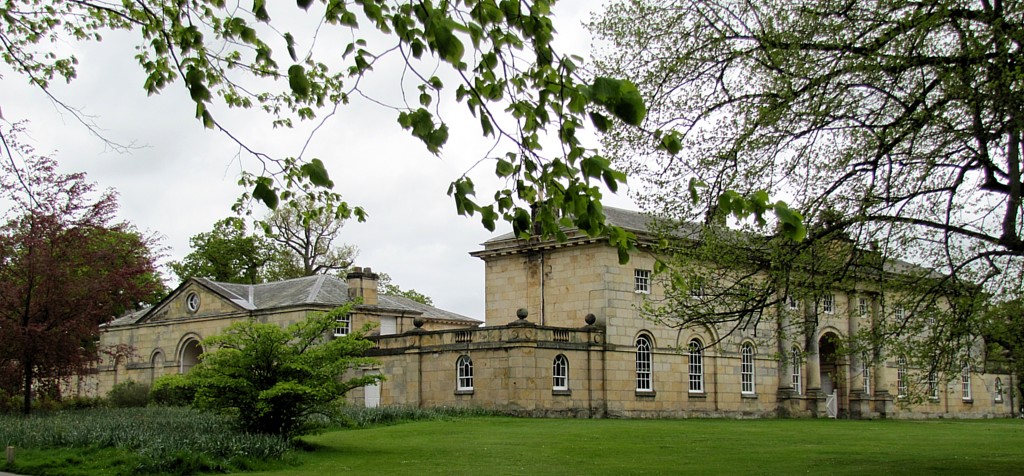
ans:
(494, 446)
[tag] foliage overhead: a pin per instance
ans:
(65, 268)
(498, 52)
(894, 127)
(272, 379)
(228, 254)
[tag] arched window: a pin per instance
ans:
(901, 376)
(965, 377)
(747, 369)
(797, 363)
(643, 364)
(696, 366)
(999, 390)
(560, 373)
(465, 370)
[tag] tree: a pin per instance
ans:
(273, 379)
(892, 126)
(228, 254)
(388, 288)
(499, 52)
(1004, 333)
(65, 268)
(305, 233)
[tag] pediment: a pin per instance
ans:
(196, 299)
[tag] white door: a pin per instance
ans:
(372, 396)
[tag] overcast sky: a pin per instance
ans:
(180, 178)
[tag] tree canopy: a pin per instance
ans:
(228, 254)
(894, 127)
(65, 268)
(305, 234)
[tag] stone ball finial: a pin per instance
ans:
(521, 313)
(418, 322)
(590, 319)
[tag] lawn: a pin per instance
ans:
(494, 445)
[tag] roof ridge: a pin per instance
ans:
(315, 289)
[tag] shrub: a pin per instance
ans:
(129, 394)
(272, 379)
(173, 390)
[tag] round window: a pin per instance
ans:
(192, 302)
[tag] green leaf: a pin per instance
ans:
(693, 186)
(672, 142)
(317, 173)
(265, 193)
(504, 168)
(290, 40)
(298, 81)
(259, 9)
(600, 121)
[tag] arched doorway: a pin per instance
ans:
(190, 355)
(832, 380)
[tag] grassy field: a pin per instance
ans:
(495, 446)
(181, 441)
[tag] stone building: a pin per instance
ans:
(167, 338)
(564, 335)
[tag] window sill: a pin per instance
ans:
(646, 393)
(968, 401)
(698, 395)
(933, 399)
(748, 396)
(464, 392)
(561, 391)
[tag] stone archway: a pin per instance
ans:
(190, 353)
(830, 367)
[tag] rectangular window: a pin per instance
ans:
(865, 370)
(828, 303)
(899, 313)
(863, 306)
(796, 363)
(966, 381)
(933, 385)
(642, 281)
(344, 326)
(793, 303)
(901, 377)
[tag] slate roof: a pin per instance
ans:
(320, 290)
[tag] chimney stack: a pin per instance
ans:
(362, 283)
